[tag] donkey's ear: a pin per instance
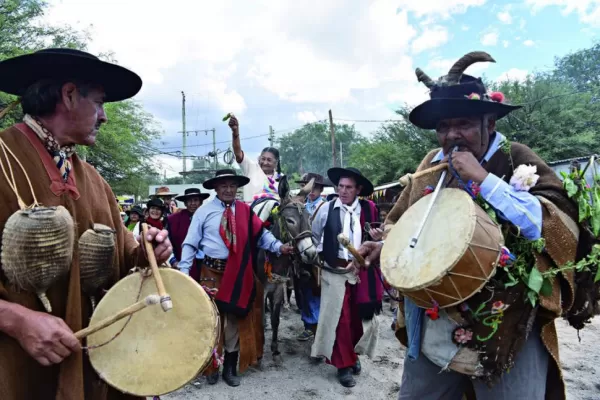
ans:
(284, 188)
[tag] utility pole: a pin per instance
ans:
(341, 155)
(215, 148)
(271, 136)
(183, 132)
(332, 138)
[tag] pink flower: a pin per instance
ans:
(475, 189)
(499, 307)
(498, 97)
(463, 335)
(474, 96)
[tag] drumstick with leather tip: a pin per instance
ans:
(344, 241)
(433, 197)
(165, 300)
(405, 180)
(132, 309)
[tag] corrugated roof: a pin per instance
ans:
(568, 160)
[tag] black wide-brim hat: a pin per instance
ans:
(465, 100)
(135, 210)
(192, 192)
(226, 174)
(19, 73)
(319, 180)
(156, 203)
(336, 173)
(457, 95)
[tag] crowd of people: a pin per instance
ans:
(62, 93)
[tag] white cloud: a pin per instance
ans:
(259, 60)
(522, 24)
(588, 10)
(505, 17)
(430, 39)
(306, 116)
(513, 74)
(505, 43)
(490, 38)
(529, 43)
(464, 28)
(441, 8)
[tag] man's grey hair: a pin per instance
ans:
(41, 98)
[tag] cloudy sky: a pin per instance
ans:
(284, 63)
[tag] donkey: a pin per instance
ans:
(289, 222)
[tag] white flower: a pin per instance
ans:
(524, 177)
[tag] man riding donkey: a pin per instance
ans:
(306, 284)
(179, 224)
(508, 326)
(347, 298)
(228, 233)
(63, 92)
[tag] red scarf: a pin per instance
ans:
(238, 290)
(156, 223)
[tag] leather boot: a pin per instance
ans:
(345, 377)
(213, 378)
(230, 369)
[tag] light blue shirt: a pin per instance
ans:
(204, 235)
(311, 206)
(520, 208)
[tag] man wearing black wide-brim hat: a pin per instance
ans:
(62, 93)
(179, 223)
(347, 298)
(458, 349)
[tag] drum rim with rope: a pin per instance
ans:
(389, 259)
(188, 352)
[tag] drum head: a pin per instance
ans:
(157, 352)
(443, 241)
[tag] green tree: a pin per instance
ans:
(122, 153)
(308, 149)
(396, 148)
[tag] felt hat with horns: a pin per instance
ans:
(457, 95)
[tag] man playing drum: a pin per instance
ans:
(62, 94)
(502, 327)
(228, 232)
(346, 299)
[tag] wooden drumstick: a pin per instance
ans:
(344, 241)
(165, 300)
(140, 305)
(405, 180)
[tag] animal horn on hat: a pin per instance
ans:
(465, 62)
(423, 77)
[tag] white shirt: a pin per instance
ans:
(318, 225)
(258, 179)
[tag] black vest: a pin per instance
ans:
(333, 227)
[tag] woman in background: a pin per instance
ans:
(264, 173)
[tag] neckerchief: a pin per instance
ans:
(157, 223)
(58, 153)
(311, 206)
(227, 229)
(351, 226)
